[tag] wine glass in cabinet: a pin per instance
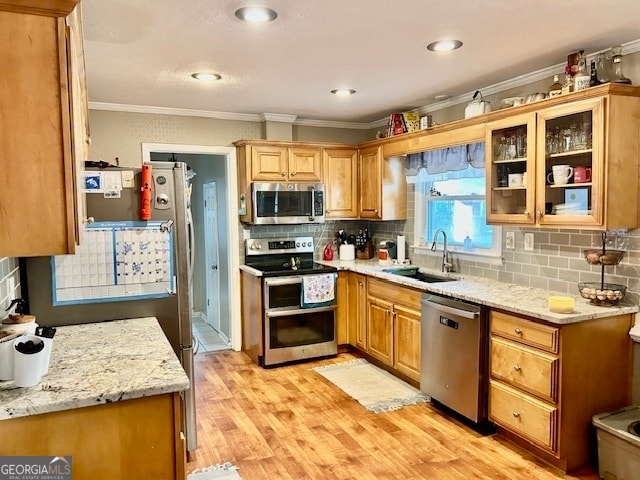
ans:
(510, 166)
(570, 164)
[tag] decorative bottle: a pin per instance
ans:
(556, 87)
(582, 77)
(617, 75)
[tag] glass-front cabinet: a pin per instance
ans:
(547, 167)
(510, 162)
(570, 164)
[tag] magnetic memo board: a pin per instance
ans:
(116, 261)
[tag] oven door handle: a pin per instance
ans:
(276, 282)
(299, 311)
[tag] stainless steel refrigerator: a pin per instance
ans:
(108, 204)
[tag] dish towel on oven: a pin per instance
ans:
(318, 290)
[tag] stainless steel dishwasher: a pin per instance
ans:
(454, 355)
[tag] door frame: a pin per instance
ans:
(233, 237)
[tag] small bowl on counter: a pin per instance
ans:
(602, 294)
(561, 304)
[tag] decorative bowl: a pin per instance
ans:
(603, 294)
(594, 256)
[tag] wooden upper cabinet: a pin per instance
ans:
(52, 8)
(341, 183)
(38, 210)
(383, 186)
(269, 163)
(305, 164)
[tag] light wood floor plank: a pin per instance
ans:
(290, 423)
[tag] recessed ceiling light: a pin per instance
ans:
(256, 14)
(442, 96)
(444, 45)
(343, 92)
(206, 77)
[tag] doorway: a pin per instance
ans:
(214, 296)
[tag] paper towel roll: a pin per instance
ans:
(400, 244)
(347, 252)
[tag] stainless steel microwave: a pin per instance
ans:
(277, 203)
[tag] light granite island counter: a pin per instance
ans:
(111, 401)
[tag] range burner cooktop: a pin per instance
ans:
(283, 256)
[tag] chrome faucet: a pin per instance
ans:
(447, 266)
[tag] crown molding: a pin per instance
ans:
(627, 48)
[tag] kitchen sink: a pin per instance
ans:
(425, 277)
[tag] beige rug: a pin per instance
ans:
(376, 389)
(222, 471)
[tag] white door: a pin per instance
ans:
(212, 286)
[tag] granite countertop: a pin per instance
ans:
(99, 363)
(529, 301)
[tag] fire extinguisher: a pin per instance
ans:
(145, 188)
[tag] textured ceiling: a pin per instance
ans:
(142, 52)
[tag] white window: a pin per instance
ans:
(454, 201)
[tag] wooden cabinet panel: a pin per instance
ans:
(526, 368)
(370, 171)
(269, 163)
(523, 414)
(525, 331)
(342, 310)
(36, 142)
(358, 310)
(305, 164)
(395, 293)
(407, 341)
(341, 183)
(380, 330)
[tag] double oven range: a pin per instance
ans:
(292, 330)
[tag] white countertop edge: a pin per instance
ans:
(528, 301)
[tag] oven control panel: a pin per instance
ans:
(273, 246)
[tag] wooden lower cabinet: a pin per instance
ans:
(547, 382)
(342, 309)
(393, 326)
(138, 438)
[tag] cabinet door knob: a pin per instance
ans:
(518, 331)
(538, 213)
(293, 174)
(526, 213)
(517, 368)
(516, 414)
(284, 174)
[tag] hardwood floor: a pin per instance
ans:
(291, 423)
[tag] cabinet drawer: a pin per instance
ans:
(395, 293)
(532, 419)
(525, 331)
(526, 368)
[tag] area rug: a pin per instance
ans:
(222, 471)
(376, 389)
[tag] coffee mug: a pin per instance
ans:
(560, 174)
(515, 179)
(582, 174)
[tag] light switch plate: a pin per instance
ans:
(510, 240)
(528, 242)
(127, 179)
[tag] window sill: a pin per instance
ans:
(469, 256)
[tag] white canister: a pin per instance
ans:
(27, 368)
(400, 245)
(6, 356)
(347, 252)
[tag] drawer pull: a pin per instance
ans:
(518, 331)
(516, 414)
(517, 368)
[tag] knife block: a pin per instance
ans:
(365, 254)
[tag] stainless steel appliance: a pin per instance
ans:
(275, 203)
(454, 349)
(291, 330)
(170, 205)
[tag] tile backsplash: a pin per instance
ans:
(556, 263)
(9, 282)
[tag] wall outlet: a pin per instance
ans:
(528, 242)
(510, 240)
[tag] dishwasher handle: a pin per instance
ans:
(453, 307)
